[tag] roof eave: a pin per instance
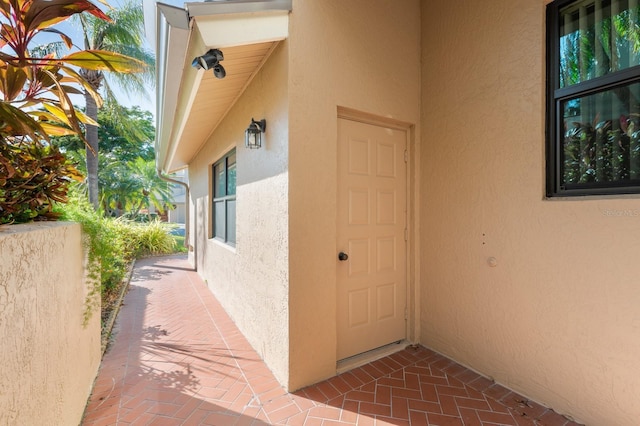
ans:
(173, 38)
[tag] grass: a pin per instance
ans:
(180, 248)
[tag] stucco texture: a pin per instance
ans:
(49, 358)
(357, 54)
(556, 318)
(278, 283)
(251, 280)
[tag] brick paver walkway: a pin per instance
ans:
(177, 359)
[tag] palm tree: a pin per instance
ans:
(128, 187)
(124, 35)
(117, 186)
(151, 189)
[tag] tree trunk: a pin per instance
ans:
(92, 157)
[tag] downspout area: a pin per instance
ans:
(186, 204)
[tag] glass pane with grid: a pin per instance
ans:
(231, 174)
(593, 112)
(601, 142)
(220, 176)
(597, 38)
(224, 199)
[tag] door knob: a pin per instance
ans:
(342, 256)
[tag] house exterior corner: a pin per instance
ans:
(539, 294)
(250, 275)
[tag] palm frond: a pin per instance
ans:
(124, 124)
(124, 35)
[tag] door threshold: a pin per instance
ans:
(359, 360)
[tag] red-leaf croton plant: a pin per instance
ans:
(35, 104)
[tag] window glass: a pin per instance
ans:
(597, 38)
(602, 137)
(220, 180)
(231, 221)
(231, 174)
(219, 219)
(593, 97)
(224, 199)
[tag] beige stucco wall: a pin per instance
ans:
(278, 284)
(357, 54)
(48, 358)
(251, 279)
(558, 318)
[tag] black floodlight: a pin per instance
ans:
(211, 60)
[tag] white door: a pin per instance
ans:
(371, 245)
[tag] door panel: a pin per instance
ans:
(371, 227)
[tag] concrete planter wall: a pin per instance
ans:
(48, 358)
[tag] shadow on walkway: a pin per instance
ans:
(177, 359)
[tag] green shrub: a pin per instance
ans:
(151, 238)
(108, 252)
(114, 243)
(33, 175)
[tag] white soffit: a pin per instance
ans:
(209, 99)
(248, 28)
(192, 103)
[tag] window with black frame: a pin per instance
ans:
(593, 97)
(224, 199)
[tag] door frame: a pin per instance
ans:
(412, 324)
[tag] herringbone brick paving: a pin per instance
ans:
(177, 359)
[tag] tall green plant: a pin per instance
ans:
(112, 244)
(107, 252)
(152, 191)
(35, 102)
(122, 34)
(125, 133)
(123, 179)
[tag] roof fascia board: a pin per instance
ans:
(217, 7)
(171, 38)
(176, 17)
(172, 12)
(222, 30)
(188, 88)
(168, 96)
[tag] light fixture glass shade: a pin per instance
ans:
(253, 134)
(252, 140)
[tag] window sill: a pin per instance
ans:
(222, 244)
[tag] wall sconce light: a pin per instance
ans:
(253, 134)
(210, 60)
